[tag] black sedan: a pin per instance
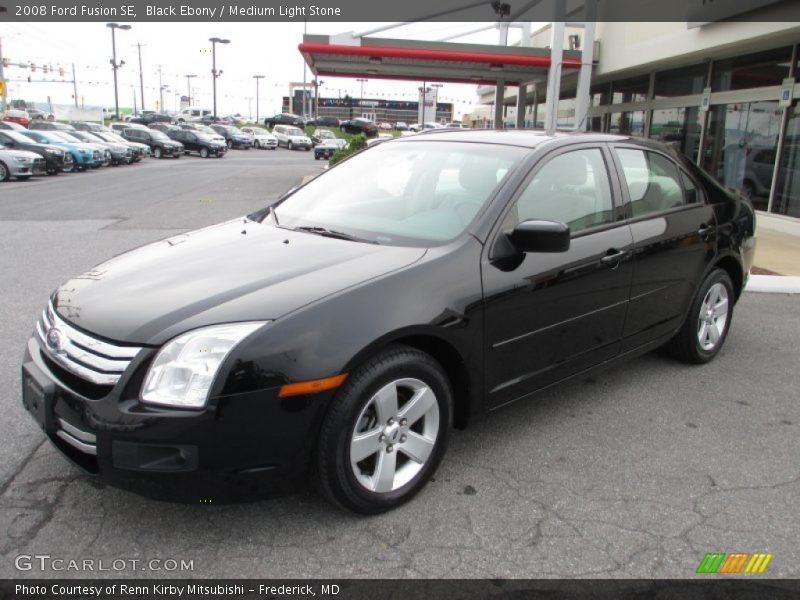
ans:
(416, 285)
(284, 119)
(57, 160)
(365, 126)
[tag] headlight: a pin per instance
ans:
(51, 151)
(183, 370)
(22, 159)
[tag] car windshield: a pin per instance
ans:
(61, 136)
(17, 137)
(204, 136)
(112, 137)
(207, 130)
(326, 135)
(159, 135)
(410, 193)
(294, 131)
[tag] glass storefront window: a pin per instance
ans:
(739, 148)
(600, 94)
(627, 123)
(787, 192)
(630, 90)
(679, 128)
(751, 71)
(681, 82)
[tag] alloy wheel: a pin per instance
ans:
(3, 172)
(395, 435)
(713, 318)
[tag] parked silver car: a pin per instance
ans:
(20, 164)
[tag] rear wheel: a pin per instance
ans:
(386, 431)
(706, 327)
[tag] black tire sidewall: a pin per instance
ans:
(386, 367)
(717, 276)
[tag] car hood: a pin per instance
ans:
(18, 153)
(240, 270)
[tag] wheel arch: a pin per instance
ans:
(735, 271)
(446, 354)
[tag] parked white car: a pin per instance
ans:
(20, 164)
(291, 137)
(261, 137)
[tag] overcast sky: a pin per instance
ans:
(182, 48)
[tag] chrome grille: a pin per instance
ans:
(91, 359)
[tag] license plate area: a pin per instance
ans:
(37, 397)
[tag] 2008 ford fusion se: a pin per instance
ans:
(338, 335)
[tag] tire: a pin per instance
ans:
(5, 175)
(157, 153)
(204, 152)
(289, 145)
(706, 327)
(364, 401)
(308, 149)
(176, 156)
(257, 145)
(230, 145)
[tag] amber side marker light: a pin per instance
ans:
(311, 387)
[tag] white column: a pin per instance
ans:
(554, 73)
(499, 98)
(582, 95)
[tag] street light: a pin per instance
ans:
(189, 88)
(114, 64)
(257, 77)
(214, 73)
(317, 83)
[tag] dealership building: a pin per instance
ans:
(722, 93)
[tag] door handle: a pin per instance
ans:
(613, 257)
(705, 231)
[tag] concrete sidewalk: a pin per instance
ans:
(777, 262)
(778, 245)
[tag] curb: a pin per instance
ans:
(776, 284)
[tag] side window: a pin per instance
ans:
(654, 182)
(690, 189)
(572, 188)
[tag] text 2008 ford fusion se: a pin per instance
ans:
(417, 285)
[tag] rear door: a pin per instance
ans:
(552, 315)
(674, 238)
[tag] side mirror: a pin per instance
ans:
(535, 235)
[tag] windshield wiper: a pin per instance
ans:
(339, 235)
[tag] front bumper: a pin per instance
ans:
(26, 169)
(240, 447)
(241, 143)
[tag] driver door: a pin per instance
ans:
(551, 315)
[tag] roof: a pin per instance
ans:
(380, 58)
(528, 138)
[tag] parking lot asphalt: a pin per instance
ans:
(637, 472)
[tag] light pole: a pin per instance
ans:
(436, 87)
(141, 75)
(114, 64)
(189, 88)
(317, 83)
(214, 73)
(257, 78)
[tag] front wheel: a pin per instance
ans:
(230, 145)
(290, 146)
(204, 152)
(386, 431)
(157, 153)
(709, 319)
(257, 145)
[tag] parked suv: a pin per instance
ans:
(120, 153)
(41, 125)
(234, 137)
(261, 137)
(149, 118)
(291, 137)
(197, 141)
(327, 122)
(56, 159)
(160, 144)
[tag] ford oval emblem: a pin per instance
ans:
(55, 340)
